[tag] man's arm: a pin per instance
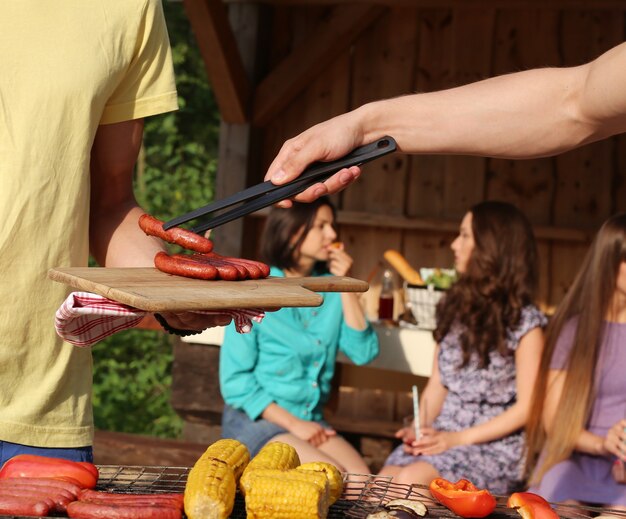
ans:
(528, 114)
(115, 238)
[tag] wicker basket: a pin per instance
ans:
(422, 300)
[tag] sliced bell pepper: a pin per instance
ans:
(31, 465)
(462, 497)
(531, 506)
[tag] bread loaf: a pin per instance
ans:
(402, 266)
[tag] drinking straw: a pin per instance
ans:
(416, 413)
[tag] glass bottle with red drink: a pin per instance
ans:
(385, 300)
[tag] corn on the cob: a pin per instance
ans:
(212, 482)
(273, 455)
(233, 452)
(335, 479)
(291, 494)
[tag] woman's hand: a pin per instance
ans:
(615, 441)
(433, 442)
(339, 261)
(311, 432)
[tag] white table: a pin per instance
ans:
(401, 349)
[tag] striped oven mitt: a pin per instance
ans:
(84, 318)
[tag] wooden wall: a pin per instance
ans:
(415, 203)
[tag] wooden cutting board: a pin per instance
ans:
(154, 291)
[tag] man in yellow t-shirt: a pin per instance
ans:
(77, 77)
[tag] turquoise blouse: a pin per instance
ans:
(290, 357)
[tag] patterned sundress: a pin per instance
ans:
(476, 396)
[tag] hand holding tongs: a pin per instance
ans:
(266, 193)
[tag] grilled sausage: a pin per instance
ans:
(189, 240)
(214, 259)
(225, 270)
(252, 270)
(264, 270)
(169, 499)
(87, 510)
(15, 505)
(184, 267)
(45, 483)
(56, 498)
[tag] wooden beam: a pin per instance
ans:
(308, 60)
(542, 232)
(218, 47)
(465, 4)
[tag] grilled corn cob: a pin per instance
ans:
(335, 480)
(234, 453)
(274, 455)
(290, 494)
(212, 482)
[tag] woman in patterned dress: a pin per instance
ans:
(577, 424)
(489, 340)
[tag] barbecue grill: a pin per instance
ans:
(363, 494)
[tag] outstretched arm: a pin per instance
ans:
(528, 114)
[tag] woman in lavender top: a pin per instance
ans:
(577, 425)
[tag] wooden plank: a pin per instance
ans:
(210, 24)
(544, 232)
(307, 61)
(327, 96)
(195, 381)
(154, 291)
(544, 250)
(565, 261)
(619, 177)
(466, 4)
(425, 184)
(384, 59)
(123, 449)
(465, 176)
(584, 175)
(525, 39)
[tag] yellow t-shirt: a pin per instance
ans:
(65, 67)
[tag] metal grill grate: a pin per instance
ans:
(363, 494)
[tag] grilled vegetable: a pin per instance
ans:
(211, 484)
(287, 494)
(411, 508)
(531, 506)
(35, 466)
(462, 497)
(335, 479)
(274, 455)
(234, 453)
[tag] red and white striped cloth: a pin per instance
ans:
(84, 319)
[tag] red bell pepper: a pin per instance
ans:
(462, 497)
(531, 506)
(33, 466)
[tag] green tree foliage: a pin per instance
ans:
(176, 170)
(175, 173)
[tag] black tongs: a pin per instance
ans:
(266, 193)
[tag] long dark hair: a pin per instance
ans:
(282, 225)
(588, 301)
(500, 279)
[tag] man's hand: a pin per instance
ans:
(326, 141)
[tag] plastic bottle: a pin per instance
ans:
(385, 300)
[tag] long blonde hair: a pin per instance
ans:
(587, 301)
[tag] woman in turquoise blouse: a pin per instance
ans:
(276, 379)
